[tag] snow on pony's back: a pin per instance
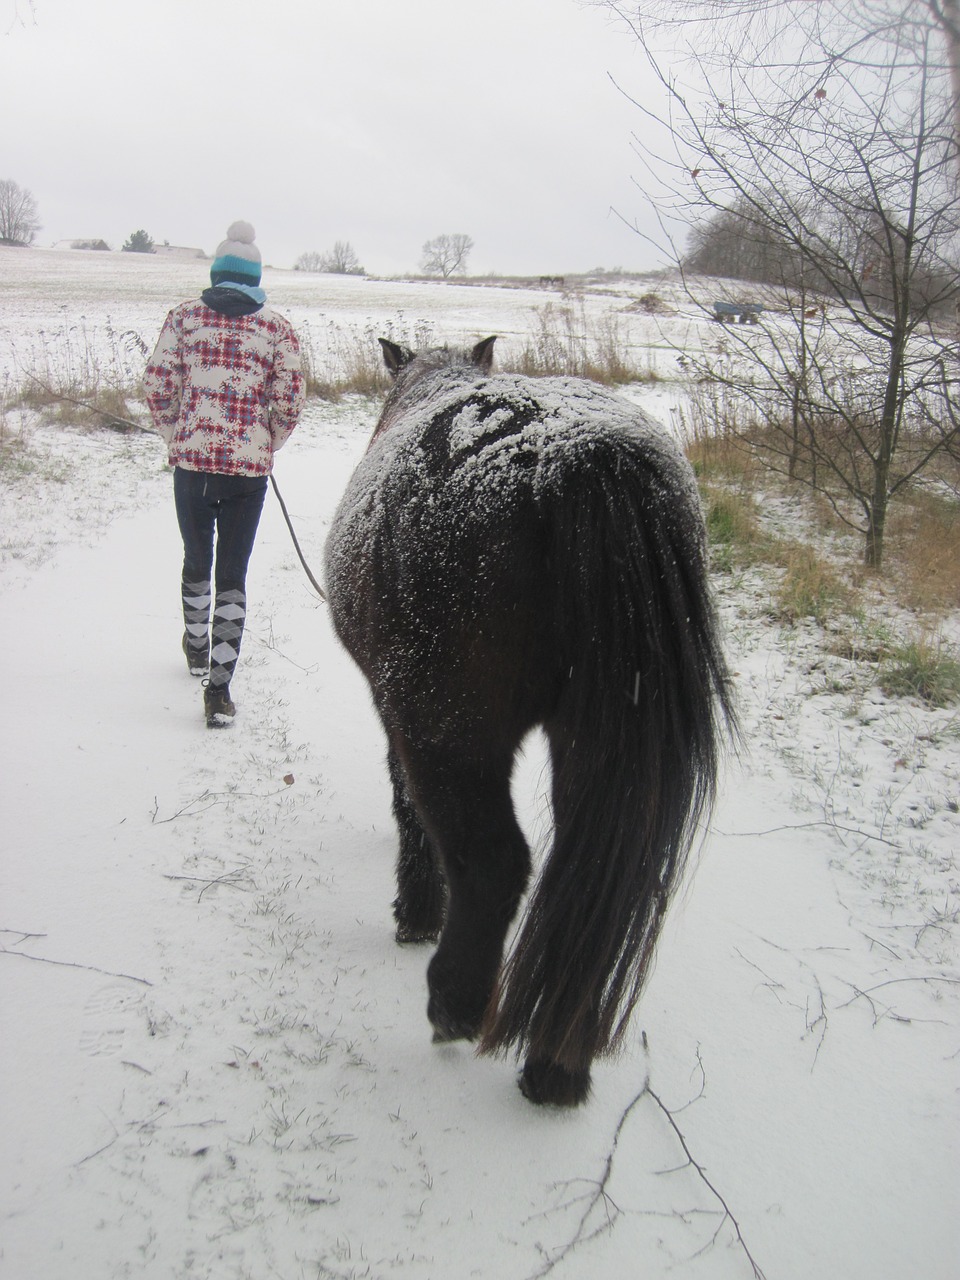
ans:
(504, 432)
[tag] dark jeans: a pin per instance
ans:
(228, 506)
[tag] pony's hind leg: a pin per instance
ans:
(550, 991)
(420, 904)
(465, 804)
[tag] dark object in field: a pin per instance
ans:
(514, 552)
(730, 312)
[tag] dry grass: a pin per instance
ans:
(347, 359)
(811, 588)
(922, 542)
(715, 435)
(723, 457)
(77, 376)
(922, 566)
(923, 551)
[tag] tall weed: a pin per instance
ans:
(565, 342)
(346, 359)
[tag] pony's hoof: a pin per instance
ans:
(447, 1030)
(548, 1084)
(449, 1026)
(408, 933)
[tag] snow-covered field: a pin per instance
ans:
(215, 1060)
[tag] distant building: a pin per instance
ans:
(178, 251)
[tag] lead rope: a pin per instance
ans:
(306, 568)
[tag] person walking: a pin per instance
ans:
(225, 388)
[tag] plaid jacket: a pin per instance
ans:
(225, 392)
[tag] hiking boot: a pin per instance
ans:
(197, 656)
(217, 706)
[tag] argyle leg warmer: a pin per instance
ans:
(196, 619)
(229, 615)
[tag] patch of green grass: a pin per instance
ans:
(733, 528)
(15, 460)
(731, 518)
(924, 668)
(19, 462)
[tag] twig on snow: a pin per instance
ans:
(877, 943)
(22, 935)
(231, 878)
(817, 1024)
(866, 993)
(137, 1126)
(803, 826)
(70, 964)
(188, 810)
(275, 648)
(702, 1174)
(600, 1194)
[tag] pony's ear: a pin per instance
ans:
(395, 357)
(482, 354)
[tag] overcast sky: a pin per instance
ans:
(380, 122)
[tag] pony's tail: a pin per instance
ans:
(634, 743)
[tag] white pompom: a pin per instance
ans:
(241, 231)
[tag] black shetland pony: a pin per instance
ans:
(514, 552)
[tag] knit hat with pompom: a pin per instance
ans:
(237, 258)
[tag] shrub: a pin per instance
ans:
(138, 242)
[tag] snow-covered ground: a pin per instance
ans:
(215, 1060)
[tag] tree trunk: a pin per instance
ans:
(799, 389)
(889, 423)
(873, 550)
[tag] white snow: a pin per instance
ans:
(215, 1060)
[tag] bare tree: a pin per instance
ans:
(446, 255)
(947, 14)
(19, 221)
(774, 33)
(312, 260)
(821, 136)
(342, 260)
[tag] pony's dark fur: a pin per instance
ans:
(511, 553)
